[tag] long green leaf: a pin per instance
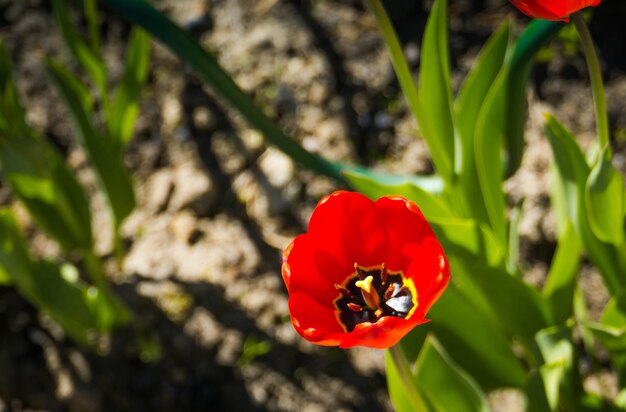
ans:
(488, 142)
(445, 384)
(443, 161)
(86, 57)
(572, 173)
(12, 115)
(477, 260)
(468, 106)
(42, 284)
(428, 203)
(39, 178)
(122, 112)
(187, 49)
(561, 282)
(36, 172)
(398, 393)
(474, 340)
(435, 91)
(604, 197)
(112, 175)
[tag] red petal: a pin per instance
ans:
(381, 335)
(405, 224)
(302, 266)
(286, 268)
(533, 9)
(313, 321)
(429, 271)
(350, 224)
(564, 8)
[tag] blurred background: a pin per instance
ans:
(216, 205)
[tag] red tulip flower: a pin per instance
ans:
(365, 273)
(552, 9)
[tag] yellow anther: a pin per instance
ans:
(365, 284)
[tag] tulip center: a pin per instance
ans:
(371, 293)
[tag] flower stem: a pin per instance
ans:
(595, 74)
(404, 371)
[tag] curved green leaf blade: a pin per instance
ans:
(429, 204)
(123, 110)
(112, 175)
(398, 392)
(12, 115)
(571, 177)
(189, 50)
(561, 282)
(488, 141)
(477, 85)
(435, 91)
(477, 261)
(468, 106)
(475, 342)
(67, 300)
(445, 384)
(604, 197)
(42, 182)
(86, 57)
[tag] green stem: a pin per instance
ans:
(593, 65)
(404, 371)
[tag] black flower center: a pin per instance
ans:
(372, 293)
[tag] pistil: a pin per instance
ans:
(369, 293)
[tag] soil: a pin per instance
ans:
(217, 206)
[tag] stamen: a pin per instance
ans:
(345, 292)
(389, 291)
(362, 274)
(378, 313)
(383, 273)
(354, 307)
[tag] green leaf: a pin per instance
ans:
(86, 57)
(80, 309)
(488, 141)
(408, 85)
(12, 115)
(398, 392)
(14, 257)
(604, 197)
(477, 261)
(557, 352)
(373, 188)
(123, 111)
(476, 87)
(435, 92)
(571, 177)
(445, 384)
(66, 299)
(611, 330)
(561, 282)
(188, 49)
(468, 106)
(113, 177)
(41, 180)
(474, 340)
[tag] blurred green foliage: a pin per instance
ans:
(41, 180)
